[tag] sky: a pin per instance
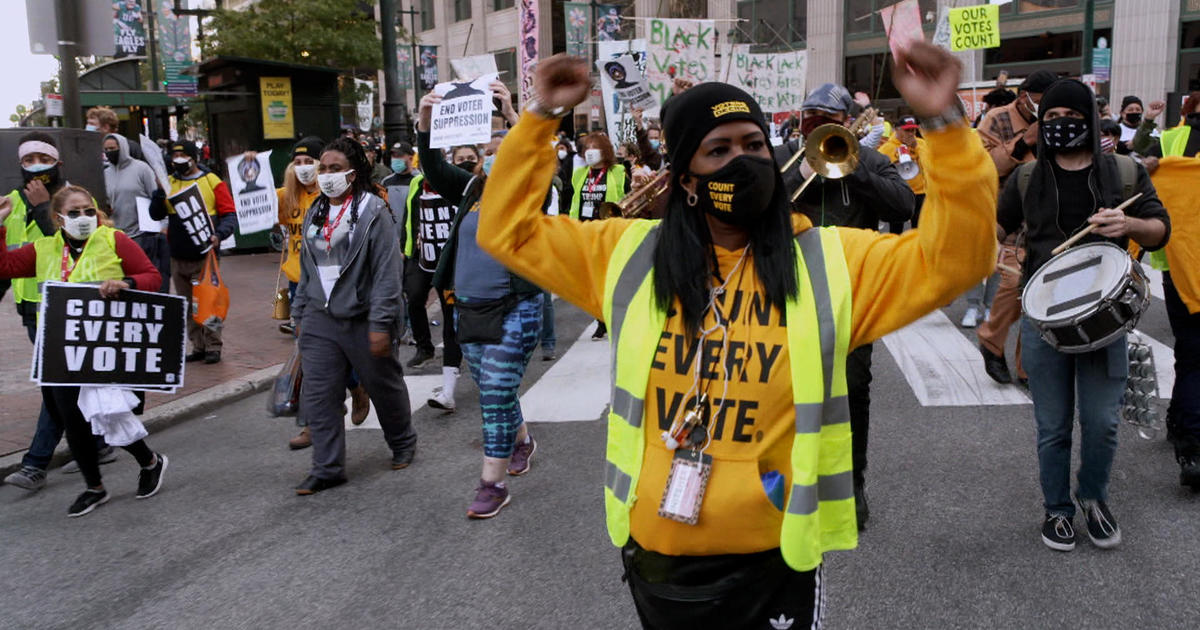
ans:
(21, 72)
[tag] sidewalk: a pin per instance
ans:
(252, 341)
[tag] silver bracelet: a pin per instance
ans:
(952, 116)
(536, 107)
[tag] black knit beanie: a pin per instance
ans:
(310, 146)
(1125, 102)
(687, 117)
(1068, 93)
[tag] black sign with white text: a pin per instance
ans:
(189, 206)
(135, 340)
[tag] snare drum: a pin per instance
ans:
(1084, 298)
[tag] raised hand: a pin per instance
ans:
(1155, 109)
(927, 77)
(426, 112)
(562, 82)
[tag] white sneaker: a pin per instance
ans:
(970, 318)
(987, 314)
(441, 401)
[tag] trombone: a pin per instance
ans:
(831, 151)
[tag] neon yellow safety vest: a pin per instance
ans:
(614, 182)
(819, 516)
(22, 231)
(414, 189)
(96, 263)
(1173, 142)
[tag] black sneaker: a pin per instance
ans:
(861, 511)
(1102, 527)
(86, 502)
(212, 357)
(192, 357)
(150, 479)
(1058, 533)
(1189, 470)
(419, 359)
(995, 366)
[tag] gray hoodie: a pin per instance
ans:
(125, 182)
(367, 258)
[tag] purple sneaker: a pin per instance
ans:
(489, 498)
(519, 464)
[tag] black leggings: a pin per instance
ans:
(63, 405)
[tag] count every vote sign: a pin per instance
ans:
(974, 27)
(134, 340)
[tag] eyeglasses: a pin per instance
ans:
(74, 214)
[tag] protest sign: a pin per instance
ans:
(621, 77)
(253, 192)
(154, 158)
(775, 80)
(902, 23)
(974, 27)
(941, 33)
(465, 114)
(135, 340)
(364, 110)
(617, 116)
(679, 48)
(189, 207)
(145, 223)
(578, 17)
(471, 68)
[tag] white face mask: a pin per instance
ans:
(334, 185)
(1033, 107)
(180, 160)
(306, 173)
(592, 156)
(562, 154)
(80, 227)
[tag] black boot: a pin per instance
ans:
(861, 511)
(1188, 455)
(995, 366)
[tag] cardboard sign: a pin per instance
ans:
(621, 77)
(136, 340)
(679, 48)
(975, 27)
(471, 68)
(189, 207)
(775, 80)
(465, 114)
(902, 23)
(253, 192)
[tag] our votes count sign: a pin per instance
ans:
(134, 340)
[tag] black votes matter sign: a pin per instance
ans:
(135, 340)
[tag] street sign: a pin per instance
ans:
(93, 18)
(54, 105)
(178, 83)
(1102, 63)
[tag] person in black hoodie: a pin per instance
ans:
(873, 192)
(1072, 184)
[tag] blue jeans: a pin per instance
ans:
(1058, 382)
(498, 369)
(47, 434)
(548, 339)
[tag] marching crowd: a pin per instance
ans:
(705, 232)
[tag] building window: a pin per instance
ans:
(426, 9)
(772, 23)
(506, 63)
(500, 5)
(1037, 48)
(462, 10)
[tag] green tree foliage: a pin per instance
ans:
(334, 33)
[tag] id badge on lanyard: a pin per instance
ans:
(690, 468)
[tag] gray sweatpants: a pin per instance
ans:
(329, 348)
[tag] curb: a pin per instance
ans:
(174, 412)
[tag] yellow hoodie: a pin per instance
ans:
(895, 280)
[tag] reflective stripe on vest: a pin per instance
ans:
(414, 189)
(21, 231)
(96, 263)
(819, 515)
(614, 186)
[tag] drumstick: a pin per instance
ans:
(1006, 269)
(1088, 230)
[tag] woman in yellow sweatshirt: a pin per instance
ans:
(728, 459)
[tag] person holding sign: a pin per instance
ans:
(729, 463)
(348, 314)
(187, 253)
(83, 250)
(498, 315)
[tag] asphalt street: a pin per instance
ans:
(953, 540)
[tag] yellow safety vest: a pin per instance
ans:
(22, 231)
(1173, 142)
(414, 189)
(614, 182)
(96, 263)
(819, 515)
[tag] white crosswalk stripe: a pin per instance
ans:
(420, 389)
(576, 389)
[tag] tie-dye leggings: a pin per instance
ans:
(498, 368)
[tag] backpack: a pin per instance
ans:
(1126, 168)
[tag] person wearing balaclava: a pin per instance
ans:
(730, 317)
(187, 255)
(1073, 184)
(125, 180)
(873, 192)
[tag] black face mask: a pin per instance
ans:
(1133, 119)
(48, 177)
(468, 166)
(1192, 120)
(740, 192)
(113, 156)
(182, 169)
(1065, 134)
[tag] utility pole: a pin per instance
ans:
(1089, 7)
(152, 48)
(68, 47)
(414, 56)
(396, 124)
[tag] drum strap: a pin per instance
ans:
(1126, 169)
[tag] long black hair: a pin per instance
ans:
(685, 261)
(361, 185)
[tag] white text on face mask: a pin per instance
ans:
(80, 227)
(592, 156)
(306, 173)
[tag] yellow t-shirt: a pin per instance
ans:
(894, 280)
(293, 220)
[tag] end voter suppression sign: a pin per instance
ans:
(134, 340)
